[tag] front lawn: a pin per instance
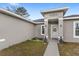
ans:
(69, 49)
(27, 48)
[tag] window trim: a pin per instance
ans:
(74, 29)
(41, 30)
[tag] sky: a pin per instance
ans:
(34, 9)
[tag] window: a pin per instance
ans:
(42, 29)
(76, 29)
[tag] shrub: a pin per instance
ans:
(36, 38)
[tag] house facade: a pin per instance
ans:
(55, 25)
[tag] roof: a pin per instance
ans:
(39, 20)
(55, 10)
(71, 17)
(15, 15)
(76, 16)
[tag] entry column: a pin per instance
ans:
(60, 32)
(46, 29)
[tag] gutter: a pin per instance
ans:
(15, 15)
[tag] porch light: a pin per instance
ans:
(60, 25)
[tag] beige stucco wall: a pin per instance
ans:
(68, 31)
(49, 31)
(38, 31)
(14, 30)
(53, 15)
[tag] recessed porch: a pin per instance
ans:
(53, 29)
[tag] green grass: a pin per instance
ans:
(69, 49)
(27, 48)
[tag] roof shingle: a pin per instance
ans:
(39, 20)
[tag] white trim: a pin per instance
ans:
(41, 29)
(58, 9)
(72, 18)
(39, 22)
(51, 31)
(74, 36)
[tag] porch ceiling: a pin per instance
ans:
(53, 21)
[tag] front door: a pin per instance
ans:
(54, 31)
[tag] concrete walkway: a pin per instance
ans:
(52, 49)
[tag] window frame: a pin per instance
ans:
(74, 32)
(41, 29)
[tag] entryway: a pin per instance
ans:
(54, 31)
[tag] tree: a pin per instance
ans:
(21, 11)
(11, 8)
(18, 10)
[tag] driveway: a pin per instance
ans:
(52, 49)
